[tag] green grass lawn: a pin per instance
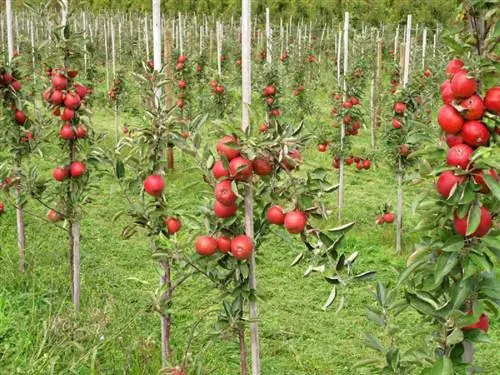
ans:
(118, 333)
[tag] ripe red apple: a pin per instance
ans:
(180, 103)
(482, 324)
(269, 91)
(7, 78)
(295, 221)
(60, 173)
(275, 215)
(446, 92)
(292, 160)
(20, 117)
(72, 101)
(492, 100)
(223, 211)
(446, 181)
(262, 166)
(349, 160)
(241, 247)
(59, 82)
(224, 244)
(81, 91)
(228, 146)
(399, 108)
(240, 168)
(182, 84)
(77, 169)
(453, 67)
(389, 217)
(454, 139)
(72, 73)
(2, 208)
(54, 216)
(460, 224)
(396, 124)
(367, 164)
(346, 104)
(67, 132)
(219, 171)
(379, 220)
(449, 119)
(263, 128)
(354, 100)
(224, 193)
(459, 156)
(16, 85)
(463, 85)
(359, 166)
(154, 185)
(57, 97)
(336, 163)
(275, 112)
(322, 147)
(182, 59)
(173, 224)
(80, 132)
(205, 245)
(68, 114)
(403, 150)
(473, 108)
(475, 133)
(427, 73)
(219, 89)
(269, 100)
(296, 92)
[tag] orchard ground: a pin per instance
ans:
(118, 332)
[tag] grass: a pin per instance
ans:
(117, 331)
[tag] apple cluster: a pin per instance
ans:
(66, 98)
(217, 88)
(7, 80)
(461, 119)
(357, 160)
(181, 84)
(269, 94)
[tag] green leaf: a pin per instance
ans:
(376, 318)
(481, 261)
(473, 218)
(352, 258)
(340, 263)
(443, 366)
(375, 343)
(381, 294)
(342, 228)
(333, 279)
(119, 169)
(327, 241)
(455, 337)
(368, 275)
(408, 270)
(444, 265)
(331, 298)
(492, 184)
(297, 259)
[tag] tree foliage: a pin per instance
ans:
(370, 12)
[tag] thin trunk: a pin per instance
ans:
(399, 219)
(378, 111)
(21, 238)
(243, 351)
(468, 355)
(76, 264)
(166, 319)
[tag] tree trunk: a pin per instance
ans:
(243, 351)
(166, 319)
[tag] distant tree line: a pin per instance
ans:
(370, 12)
